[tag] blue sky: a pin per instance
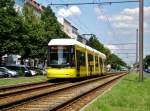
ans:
(113, 24)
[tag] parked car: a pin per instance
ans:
(38, 70)
(33, 72)
(4, 74)
(147, 70)
(44, 72)
(21, 69)
(11, 73)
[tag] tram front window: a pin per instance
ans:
(61, 56)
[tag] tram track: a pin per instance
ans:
(17, 96)
(20, 88)
(81, 102)
(51, 97)
(7, 90)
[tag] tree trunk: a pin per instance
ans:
(45, 63)
(22, 62)
(0, 60)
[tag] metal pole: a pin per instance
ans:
(141, 2)
(137, 47)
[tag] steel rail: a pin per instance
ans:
(82, 94)
(54, 91)
(81, 101)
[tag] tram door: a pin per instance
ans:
(78, 63)
(100, 61)
(90, 64)
(81, 63)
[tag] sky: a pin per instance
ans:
(113, 24)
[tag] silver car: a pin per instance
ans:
(3, 74)
(10, 72)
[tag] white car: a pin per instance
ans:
(10, 72)
(33, 72)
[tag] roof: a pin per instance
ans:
(34, 4)
(74, 42)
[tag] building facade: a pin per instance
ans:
(66, 26)
(36, 7)
(69, 29)
(19, 5)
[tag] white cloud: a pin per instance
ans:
(122, 18)
(73, 10)
(124, 25)
(112, 48)
(102, 17)
(128, 18)
(135, 11)
(129, 11)
(99, 12)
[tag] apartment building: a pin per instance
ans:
(36, 7)
(69, 29)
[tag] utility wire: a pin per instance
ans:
(124, 44)
(126, 49)
(126, 53)
(86, 29)
(94, 3)
(122, 49)
(107, 20)
(125, 56)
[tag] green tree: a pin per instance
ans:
(116, 62)
(11, 28)
(147, 61)
(41, 29)
(33, 46)
(95, 43)
(112, 59)
(51, 26)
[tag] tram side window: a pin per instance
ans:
(90, 59)
(96, 61)
(100, 60)
(80, 58)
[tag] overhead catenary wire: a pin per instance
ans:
(94, 3)
(84, 27)
(122, 49)
(107, 20)
(109, 25)
(123, 44)
(101, 3)
(127, 56)
(126, 53)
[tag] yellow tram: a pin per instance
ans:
(68, 58)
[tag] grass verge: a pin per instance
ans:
(20, 80)
(127, 95)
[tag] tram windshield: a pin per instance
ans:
(61, 56)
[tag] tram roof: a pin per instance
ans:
(74, 42)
